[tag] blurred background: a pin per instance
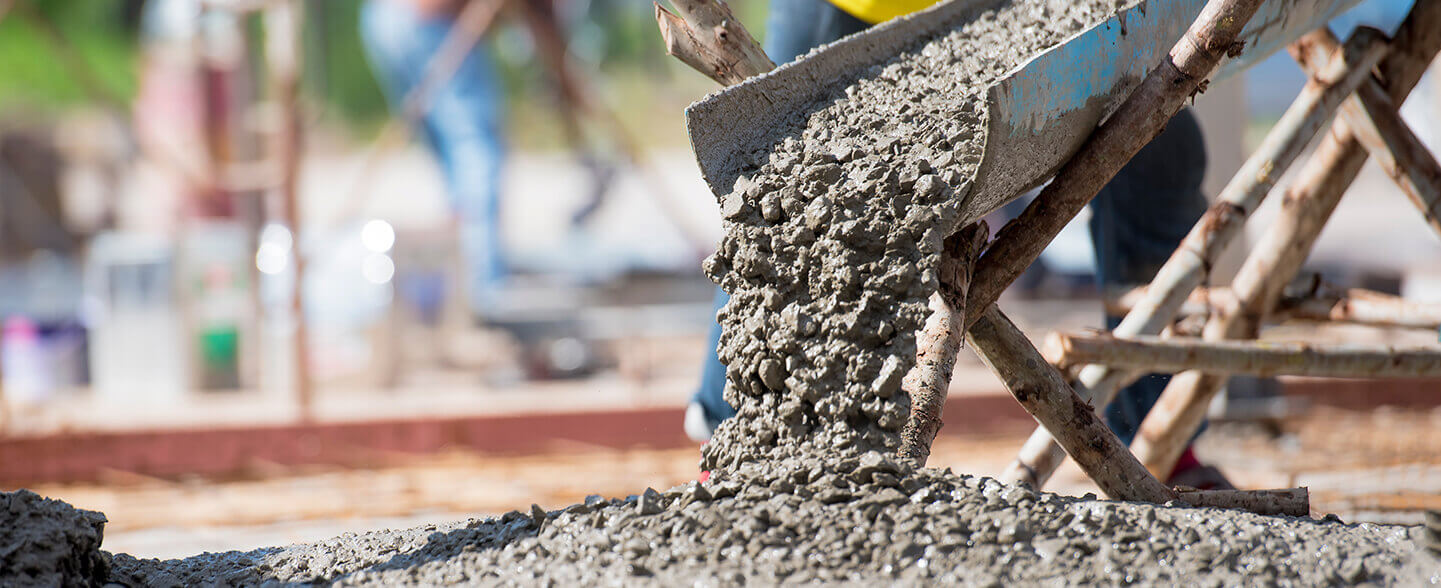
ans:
(272, 270)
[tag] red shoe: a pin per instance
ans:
(1190, 472)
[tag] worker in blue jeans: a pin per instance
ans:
(1137, 220)
(462, 125)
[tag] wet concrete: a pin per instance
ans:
(829, 253)
(832, 237)
(865, 520)
(46, 542)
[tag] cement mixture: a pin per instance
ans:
(832, 236)
(865, 520)
(46, 542)
(829, 255)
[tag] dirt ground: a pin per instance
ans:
(1380, 466)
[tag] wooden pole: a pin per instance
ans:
(282, 28)
(1244, 357)
(938, 344)
(1046, 395)
(707, 36)
(1040, 389)
(1323, 303)
(1188, 267)
(1293, 502)
(1374, 118)
(1138, 120)
(1318, 188)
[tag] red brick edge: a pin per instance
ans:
(235, 451)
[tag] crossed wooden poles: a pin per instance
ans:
(1364, 80)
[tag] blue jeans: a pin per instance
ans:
(462, 126)
(1137, 220)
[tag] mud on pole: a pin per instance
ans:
(938, 344)
(1276, 259)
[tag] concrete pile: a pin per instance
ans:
(46, 542)
(829, 253)
(865, 521)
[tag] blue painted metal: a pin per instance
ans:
(1039, 113)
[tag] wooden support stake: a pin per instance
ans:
(1188, 267)
(1044, 393)
(1244, 357)
(1292, 502)
(709, 38)
(938, 344)
(1308, 204)
(1134, 124)
(1322, 303)
(282, 26)
(1374, 118)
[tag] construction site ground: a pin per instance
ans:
(617, 433)
(1362, 466)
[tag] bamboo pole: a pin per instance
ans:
(1324, 304)
(1244, 357)
(1373, 116)
(1293, 502)
(1044, 393)
(708, 37)
(1134, 124)
(938, 344)
(282, 25)
(1310, 201)
(1189, 266)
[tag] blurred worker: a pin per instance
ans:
(1137, 220)
(462, 125)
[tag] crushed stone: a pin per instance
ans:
(46, 542)
(867, 520)
(829, 257)
(831, 236)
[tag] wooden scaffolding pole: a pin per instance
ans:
(1134, 124)
(707, 36)
(1321, 303)
(1046, 395)
(283, 55)
(1188, 267)
(1374, 118)
(1167, 429)
(1243, 357)
(938, 344)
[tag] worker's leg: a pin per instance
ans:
(1137, 221)
(462, 125)
(794, 27)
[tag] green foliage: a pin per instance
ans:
(36, 75)
(336, 69)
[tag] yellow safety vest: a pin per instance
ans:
(875, 11)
